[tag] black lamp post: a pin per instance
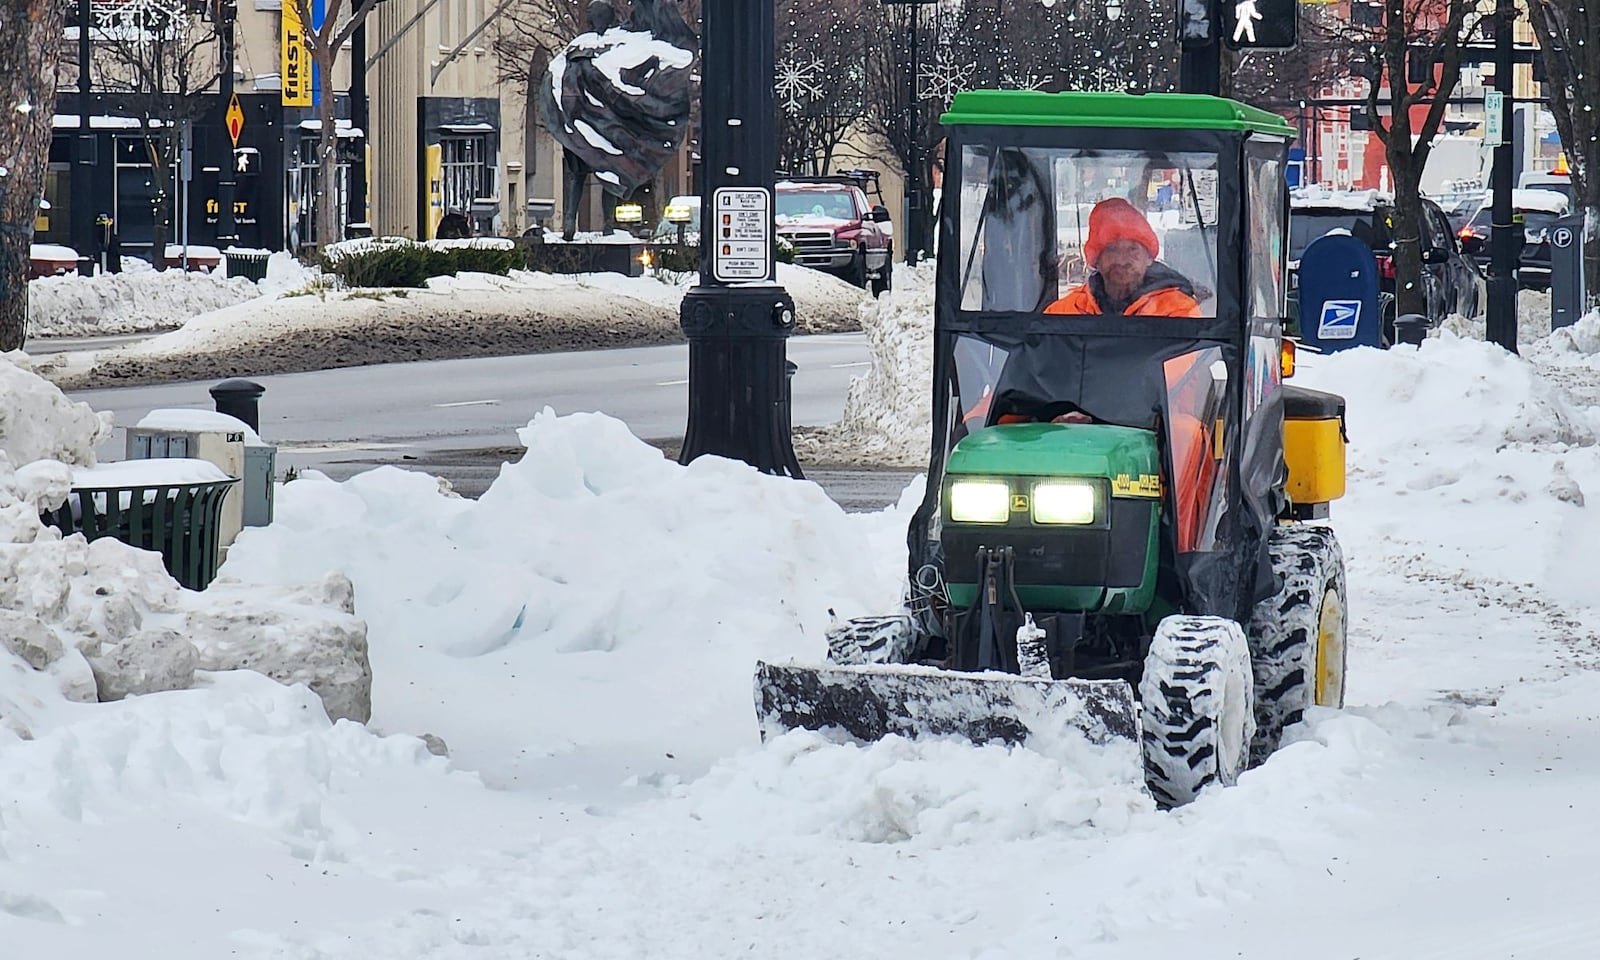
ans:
(916, 187)
(1500, 324)
(737, 318)
(83, 152)
(227, 227)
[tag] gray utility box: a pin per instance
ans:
(260, 469)
(226, 441)
(1567, 294)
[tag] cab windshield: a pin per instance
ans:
(1024, 225)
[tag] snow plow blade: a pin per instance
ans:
(871, 702)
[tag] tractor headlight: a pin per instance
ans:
(980, 501)
(1057, 502)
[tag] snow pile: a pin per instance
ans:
(1478, 397)
(38, 422)
(135, 301)
(573, 566)
(888, 412)
(104, 619)
(286, 274)
(1575, 343)
(1533, 320)
(1319, 196)
(940, 792)
(469, 315)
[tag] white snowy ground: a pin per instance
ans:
(582, 637)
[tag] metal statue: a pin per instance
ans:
(617, 100)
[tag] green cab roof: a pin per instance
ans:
(1154, 111)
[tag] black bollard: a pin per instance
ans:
(240, 399)
(1411, 328)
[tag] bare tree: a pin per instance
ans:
(162, 58)
(324, 44)
(1431, 31)
(1569, 34)
(530, 33)
(1278, 79)
(821, 79)
(30, 31)
(1013, 44)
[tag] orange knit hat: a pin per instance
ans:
(1113, 220)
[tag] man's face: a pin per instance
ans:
(1122, 267)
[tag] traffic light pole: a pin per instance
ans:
(82, 219)
(737, 318)
(227, 227)
(1500, 325)
(1200, 67)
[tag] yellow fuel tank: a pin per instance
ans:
(1313, 444)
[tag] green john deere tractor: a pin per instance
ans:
(1118, 539)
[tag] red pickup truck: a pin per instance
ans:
(834, 228)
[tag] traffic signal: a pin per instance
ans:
(1197, 23)
(1260, 24)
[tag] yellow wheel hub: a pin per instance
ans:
(1330, 651)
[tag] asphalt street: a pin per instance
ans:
(458, 418)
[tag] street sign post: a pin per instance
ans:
(235, 120)
(1494, 118)
(743, 221)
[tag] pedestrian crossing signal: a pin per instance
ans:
(1260, 24)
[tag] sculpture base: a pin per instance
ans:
(580, 256)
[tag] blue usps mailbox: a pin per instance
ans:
(1339, 295)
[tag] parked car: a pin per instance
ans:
(833, 228)
(1537, 209)
(681, 211)
(1452, 281)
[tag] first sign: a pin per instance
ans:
(235, 119)
(742, 232)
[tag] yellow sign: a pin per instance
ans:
(296, 72)
(1146, 485)
(235, 119)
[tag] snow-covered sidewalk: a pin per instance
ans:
(583, 636)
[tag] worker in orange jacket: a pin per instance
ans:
(1127, 277)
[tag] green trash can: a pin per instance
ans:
(250, 264)
(182, 522)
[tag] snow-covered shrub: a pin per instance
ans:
(404, 263)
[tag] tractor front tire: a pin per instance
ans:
(1196, 713)
(1297, 636)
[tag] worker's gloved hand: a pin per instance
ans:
(1076, 416)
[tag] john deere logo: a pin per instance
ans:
(1019, 503)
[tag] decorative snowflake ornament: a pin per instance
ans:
(799, 81)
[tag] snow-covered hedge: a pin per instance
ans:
(398, 262)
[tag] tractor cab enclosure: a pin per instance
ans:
(1171, 363)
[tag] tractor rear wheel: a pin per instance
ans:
(1196, 710)
(1297, 636)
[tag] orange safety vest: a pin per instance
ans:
(1164, 302)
